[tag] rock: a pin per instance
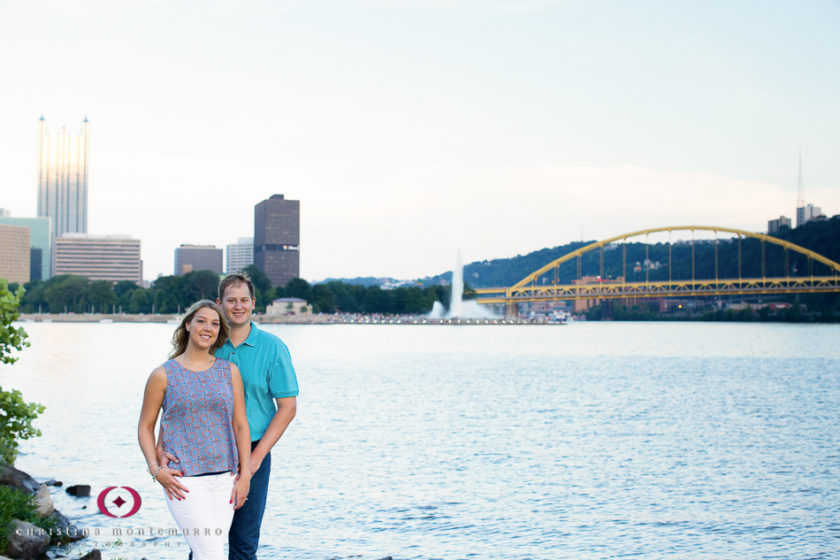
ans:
(53, 482)
(94, 554)
(387, 558)
(26, 540)
(69, 532)
(43, 501)
(79, 490)
(10, 476)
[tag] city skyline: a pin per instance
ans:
(499, 127)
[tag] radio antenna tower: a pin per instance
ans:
(800, 195)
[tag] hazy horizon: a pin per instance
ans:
(408, 130)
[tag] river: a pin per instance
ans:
(591, 440)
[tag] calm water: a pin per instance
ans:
(631, 440)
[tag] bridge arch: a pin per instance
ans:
(600, 244)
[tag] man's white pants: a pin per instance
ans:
(205, 514)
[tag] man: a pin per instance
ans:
(271, 391)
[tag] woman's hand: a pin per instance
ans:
(241, 486)
(173, 488)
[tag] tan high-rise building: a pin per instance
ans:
(63, 178)
(14, 253)
(99, 257)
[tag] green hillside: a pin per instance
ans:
(822, 237)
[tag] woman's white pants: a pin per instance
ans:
(205, 514)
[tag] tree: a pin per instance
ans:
(17, 415)
(299, 288)
(201, 284)
(101, 296)
(66, 293)
(323, 300)
(123, 291)
(138, 302)
(167, 294)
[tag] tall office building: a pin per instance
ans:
(806, 213)
(240, 254)
(192, 258)
(14, 253)
(63, 178)
(40, 244)
(775, 226)
(99, 257)
(277, 239)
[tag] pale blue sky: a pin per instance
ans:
(408, 129)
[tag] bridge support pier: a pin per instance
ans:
(511, 310)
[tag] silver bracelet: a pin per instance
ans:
(154, 474)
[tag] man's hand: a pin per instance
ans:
(174, 489)
(163, 457)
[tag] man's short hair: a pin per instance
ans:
(235, 279)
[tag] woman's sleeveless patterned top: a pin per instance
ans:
(198, 418)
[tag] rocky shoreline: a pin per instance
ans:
(27, 541)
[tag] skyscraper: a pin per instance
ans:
(63, 178)
(240, 254)
(277, 239)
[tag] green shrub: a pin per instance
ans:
(16, 415)
(19, 504)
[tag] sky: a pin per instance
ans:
(411, 129)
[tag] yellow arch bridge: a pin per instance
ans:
(544, 285)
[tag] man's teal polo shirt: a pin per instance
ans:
(267, 374)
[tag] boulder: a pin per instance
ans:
(10, 476)
(43, 501)
(94, 554)
(26, 540)
(53, 482)
(69, 532)
(79, 490)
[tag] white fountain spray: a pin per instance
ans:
(457, 306)
(457, 296)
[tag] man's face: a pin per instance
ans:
(237, 304)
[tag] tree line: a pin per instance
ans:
(756, 259)
(172, 294)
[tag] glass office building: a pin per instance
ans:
(63, 178)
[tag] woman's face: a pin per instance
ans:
(204, 328)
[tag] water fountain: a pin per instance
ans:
(457, 306)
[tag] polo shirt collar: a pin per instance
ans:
(252, 336)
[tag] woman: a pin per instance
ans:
(204, 426)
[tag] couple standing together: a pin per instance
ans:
(227, 394)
